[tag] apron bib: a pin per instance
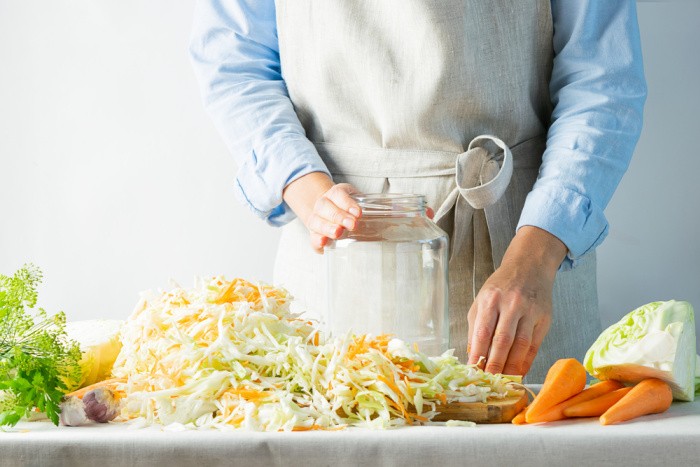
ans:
(400, 96)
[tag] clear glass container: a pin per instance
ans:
(389, 275)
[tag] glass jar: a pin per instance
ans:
(389, 275)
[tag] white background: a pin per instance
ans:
(113, 180)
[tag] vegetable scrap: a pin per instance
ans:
(230, 355)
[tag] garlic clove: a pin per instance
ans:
(73, 412)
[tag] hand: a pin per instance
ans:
(326, 209)
(513, 310)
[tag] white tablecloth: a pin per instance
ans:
(668, 439)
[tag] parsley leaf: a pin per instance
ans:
(38, 364)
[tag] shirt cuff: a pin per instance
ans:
(261, 180)
(569, 216)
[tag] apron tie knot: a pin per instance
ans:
(479, 178)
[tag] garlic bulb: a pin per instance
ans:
(101, 405)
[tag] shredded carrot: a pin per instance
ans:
(443, 398)
(408, 386)
(407, 365)
(357, 347)
(391, 384)
(420, 418)
(401, 409)
(319, 427)
(248, 394)
(307, 428)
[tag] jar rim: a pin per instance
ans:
(387, 203)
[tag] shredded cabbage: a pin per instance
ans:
(230, 355)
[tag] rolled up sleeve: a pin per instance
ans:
(235, 54)
(598, 92)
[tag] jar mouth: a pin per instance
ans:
(389, 203)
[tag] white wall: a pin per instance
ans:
(653, 249)
(113, 180)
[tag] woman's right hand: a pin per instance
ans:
(326, 209)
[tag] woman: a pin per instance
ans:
(319, 99)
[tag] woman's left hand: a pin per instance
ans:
(513, 310)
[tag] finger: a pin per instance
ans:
(318, 242)
(486, 317)
(471, 318)
(502, 342)
(331, 213)
(520, 347)
(538, 335)
(321, 226)
(340, 195)
(429, 212)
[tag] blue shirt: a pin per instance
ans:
(597, 89)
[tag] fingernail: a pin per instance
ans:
(354, 211)
(348, 223)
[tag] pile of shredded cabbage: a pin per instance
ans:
(230, 355)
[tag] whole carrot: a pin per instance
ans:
(595, 391)
(648, 397)
(565, 379)
(108, 383)
(598, 406)
(520, 418)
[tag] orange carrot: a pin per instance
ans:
(101, 384)
(648, 397)
(248, 394)
(565, 379)
(595, 391)
(596, 407)
(520, 418)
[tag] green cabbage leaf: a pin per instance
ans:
(656, 340)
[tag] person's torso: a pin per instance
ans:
(417, 74)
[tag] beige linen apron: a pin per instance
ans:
(395, 95)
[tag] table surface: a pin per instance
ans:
(671, 438)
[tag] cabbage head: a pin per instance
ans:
(656, 340)
(99, 344)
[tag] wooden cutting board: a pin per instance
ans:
(496, 411)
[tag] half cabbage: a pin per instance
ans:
(656, 340)
(100, 344)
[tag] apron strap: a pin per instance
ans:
(480, 183)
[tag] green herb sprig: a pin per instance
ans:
(38, 364)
